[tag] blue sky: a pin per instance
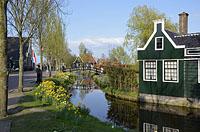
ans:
(102, 24)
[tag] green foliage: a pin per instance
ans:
(122, 77)
(118, 77)
(64, 79)
(140, 26)
(102, 81)
(83, 50)
(54, 42)
(120, 54)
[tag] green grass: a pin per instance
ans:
(126, 95)
(38, 117)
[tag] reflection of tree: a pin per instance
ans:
(74, 92)
(123, 113)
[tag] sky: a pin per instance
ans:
(102, 24)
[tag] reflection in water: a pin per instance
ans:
(140, 118)
(168, 119)
(122, 113)
(143, 118)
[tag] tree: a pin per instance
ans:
(120, 55)
(24, 21)
(56, 47)
(140, 26)
(3, 59)
(43, 8)
(82, 49)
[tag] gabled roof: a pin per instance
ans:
(78, 59)
(88, 58)
(190, 40)
(156, 22)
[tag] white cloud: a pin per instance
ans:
(100, 41)
(98, 45)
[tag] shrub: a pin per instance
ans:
(64, 79)
(50, 93)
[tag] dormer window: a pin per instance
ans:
(159, 43)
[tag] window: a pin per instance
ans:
(150, 71)
(159, 43)
(170, 69)
(167, 129)
(192, 51)
(149, 127)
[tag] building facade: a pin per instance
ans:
(13, 54)
(169, 66)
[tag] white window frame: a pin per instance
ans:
(144, 73)
(156, 43)
(173, 129)
(163, 71)
(148, 124)
(198, 71)
(187, 51)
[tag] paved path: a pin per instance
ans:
(14, 96)
(29, 82)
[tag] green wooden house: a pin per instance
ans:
(169, 65)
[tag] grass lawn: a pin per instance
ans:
(38, 117)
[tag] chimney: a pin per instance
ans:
(183, 23)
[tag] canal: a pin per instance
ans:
(135, 117)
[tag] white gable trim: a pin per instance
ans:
(164, 32)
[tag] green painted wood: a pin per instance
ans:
(169, 52)
(160, 87)
(191, 86)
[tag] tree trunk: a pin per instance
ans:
(49, 69)
(3, 60)
(41, 54)
(21, 64)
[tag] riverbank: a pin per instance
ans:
(33, 115)
(123, 95)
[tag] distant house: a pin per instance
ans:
(169, 66)
(84, 61)
(88, 60)
(78, 62)
(13, 54)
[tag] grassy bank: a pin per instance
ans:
(109, 84)
(36, 116)
(124, 95)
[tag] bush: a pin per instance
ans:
(64, 79)
(101, 81)
(56, 91)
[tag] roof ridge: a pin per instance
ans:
(187, 35)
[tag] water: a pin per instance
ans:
(140, 118)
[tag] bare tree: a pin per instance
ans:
(3, 59)
(24, 21)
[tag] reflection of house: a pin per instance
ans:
(162, 121)
(13, 54)
(169, 65)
